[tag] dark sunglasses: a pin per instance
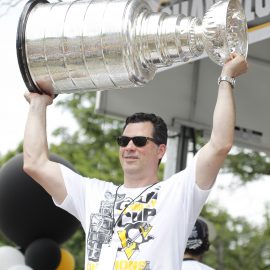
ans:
(138, 141)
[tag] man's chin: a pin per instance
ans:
(131, 167)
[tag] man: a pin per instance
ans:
(136, 225)
(197, 245)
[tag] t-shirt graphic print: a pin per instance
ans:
(132, 226)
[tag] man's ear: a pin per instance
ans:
(161, 150)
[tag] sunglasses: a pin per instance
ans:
(138, 141)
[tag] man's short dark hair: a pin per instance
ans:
(160, 131)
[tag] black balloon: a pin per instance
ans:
(27, 211)
(43, 254)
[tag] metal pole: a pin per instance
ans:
(178, 149)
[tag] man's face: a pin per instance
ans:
(140, 160)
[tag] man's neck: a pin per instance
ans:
(193, 257)
(137, 182)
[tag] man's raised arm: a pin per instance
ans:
(36, 156)
(213, 154)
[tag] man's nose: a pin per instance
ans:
(130, 145)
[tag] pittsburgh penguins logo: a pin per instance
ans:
(134, 228)
(133, 236)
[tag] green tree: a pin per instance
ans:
(247, 164)
(10, 154)
(239, 244)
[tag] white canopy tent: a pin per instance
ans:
(185, 95)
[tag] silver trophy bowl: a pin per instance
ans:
(90, 45)
(224, 32)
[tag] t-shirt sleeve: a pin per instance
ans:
(74, 202)
(83, 194)
(196, 197)
(186, 195)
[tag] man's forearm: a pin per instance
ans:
(213, 154)
(35, 138)
(224, 118)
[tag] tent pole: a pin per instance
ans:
(178, 149)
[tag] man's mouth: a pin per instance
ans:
(130, 157)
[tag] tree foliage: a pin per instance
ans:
(239, 244)
(10, 154)
(247, 164)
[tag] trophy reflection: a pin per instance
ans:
(91, 45)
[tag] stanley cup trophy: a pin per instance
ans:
(90, 45)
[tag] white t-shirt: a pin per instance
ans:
(195, 265)
(152, 231)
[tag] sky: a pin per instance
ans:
(13, 107)
(246, 201)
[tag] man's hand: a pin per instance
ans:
(235, 66)
(41, 98)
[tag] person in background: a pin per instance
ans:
(197, 245)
